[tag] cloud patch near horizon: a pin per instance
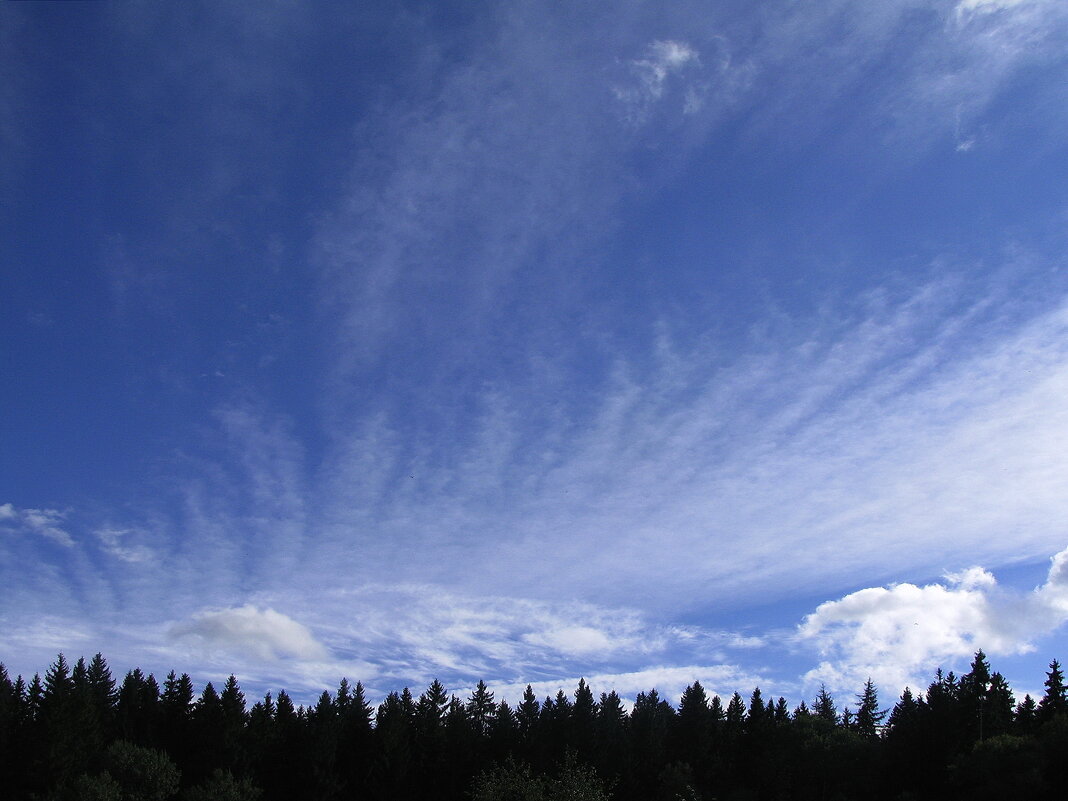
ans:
(899, 633)
(265, 633)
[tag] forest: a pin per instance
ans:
(78, 733)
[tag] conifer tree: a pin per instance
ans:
(651, 719)
(480, 709)
(1055, 701)
(431, 707)
(527, 714)
(781, 714)
(692, 730)
(58, 684)
(176, 713)
(758, 713)
(869, 716)
(998, 711)
(824, 708)
(583, 713)
(610, 739)
(102, 686)
(716, 711)
(1026, 718)
(503, 731)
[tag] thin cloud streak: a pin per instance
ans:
(491, 436)
(889, 429)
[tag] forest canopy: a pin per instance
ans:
(78, 733)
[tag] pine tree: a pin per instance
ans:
(611, 735)
(433, 703)
(999, 707)
(234, 718)
(176, 714)
(528, 714)
(58, 684)
(137, 708)
(824, 708)
(781, 714)
(735, 711)
(692, 732)
(102, 686)
(1055, 702)
(758, 713)
(480, 709)
(650, 721)
(583, 713)
(10, 701)
(1026, 718)
(504, 730)
(869, 716)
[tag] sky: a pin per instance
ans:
(644, 342)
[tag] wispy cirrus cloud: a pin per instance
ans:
(123, 544)
(47, 523)
(922, 415)
(498, 430)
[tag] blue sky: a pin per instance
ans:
(644, 342)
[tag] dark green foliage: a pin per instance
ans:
(222, 786)
(134, 773)
(1026, 721)
(823, 707)
(511, 781)
(73, 735)
(869, 716)
(1054, 702)
(480, 709)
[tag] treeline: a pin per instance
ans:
(76, 733)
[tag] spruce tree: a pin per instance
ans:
(1055, 702)
(735, 711)
(869, 716)
(1026, 718)
(824, 708)
(527, 714)
(480, 709)
(998, 710)
(583, 713)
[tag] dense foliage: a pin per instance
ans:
(77, 734)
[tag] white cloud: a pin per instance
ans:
(571, 640)
(265, 633)
(899, 634)
(42, 522)
(990, 6)
(117, 542)
(661, 60)
(669, 682)
(916, 424)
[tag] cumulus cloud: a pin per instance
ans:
(898, 634)
(265, 633)
(42, 522)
